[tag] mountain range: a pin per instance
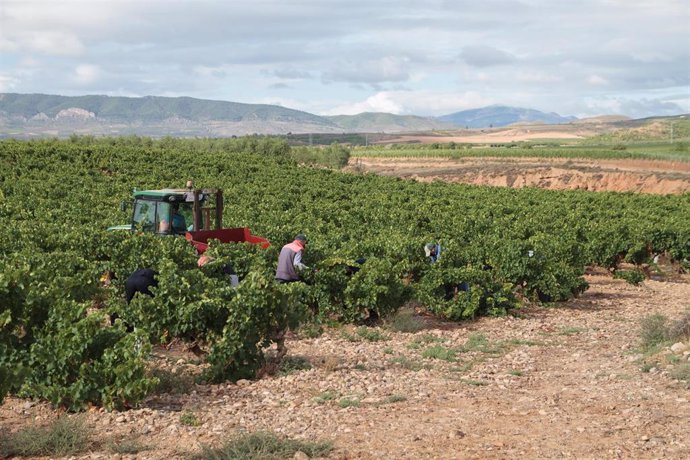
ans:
(28, 115)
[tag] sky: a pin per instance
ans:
(331, 57)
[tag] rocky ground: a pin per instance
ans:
(565, 381)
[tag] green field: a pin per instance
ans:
(679, 151)
(669, 141)
(58, 197)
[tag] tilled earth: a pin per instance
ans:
(547, 383)
(645, 176)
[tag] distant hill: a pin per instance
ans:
(40, 115)
(668, 128)
(387, 122)
(150, 115)
(498, 115)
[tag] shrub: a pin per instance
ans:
(376, 290)
(65, 436)
(405, 321)
(682, 373)
(189, 418)
(171, 383)
(371, 335)
(348, 402)
(653, 331)
(440, 352)
(634, 277)
(461, 293)
(264, 446)
(291, 364)
(680, 328)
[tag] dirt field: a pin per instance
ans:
(646, 176)
(519, 132)
(560, 382)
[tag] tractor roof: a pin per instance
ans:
(163, 194)
(173, 194)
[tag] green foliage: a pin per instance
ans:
(344, 403)
(440, 352)
(479, 342)
(72, 359)
(620, 145)
(189, 418)
(333, 156)
(460, 293)
(325, 396)
(59, 196)
(680, 147)
(634, 277)
(259, 311)
(291, 364)
(264, 446)
(371, 335)
(377, 288)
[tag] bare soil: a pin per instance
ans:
(645, 176)
(562, 382)
(518, 132)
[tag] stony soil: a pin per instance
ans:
(547, 383)
(646, 176)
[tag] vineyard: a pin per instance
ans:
(678, 151)
(507, 247)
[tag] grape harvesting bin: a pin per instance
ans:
(194, 213)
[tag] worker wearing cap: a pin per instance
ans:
(290, 260)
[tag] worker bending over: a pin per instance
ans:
(290, 260)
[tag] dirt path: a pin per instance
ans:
(550, 383)
(646, 176)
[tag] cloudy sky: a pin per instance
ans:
(432, 57)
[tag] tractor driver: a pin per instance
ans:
(179, 224)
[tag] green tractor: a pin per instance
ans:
(195, 214)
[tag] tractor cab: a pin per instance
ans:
(194, 213)
(177, 211)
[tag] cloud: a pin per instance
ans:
(8, 83)
(485, 56)
(289, 73)
(55, 43)
(386, 69)
(423, 103)
(596, 80)
(633, 108)
(406, 56)
(87, 73)
(206, 71)
(380, 102)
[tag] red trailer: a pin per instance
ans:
(224, 235)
